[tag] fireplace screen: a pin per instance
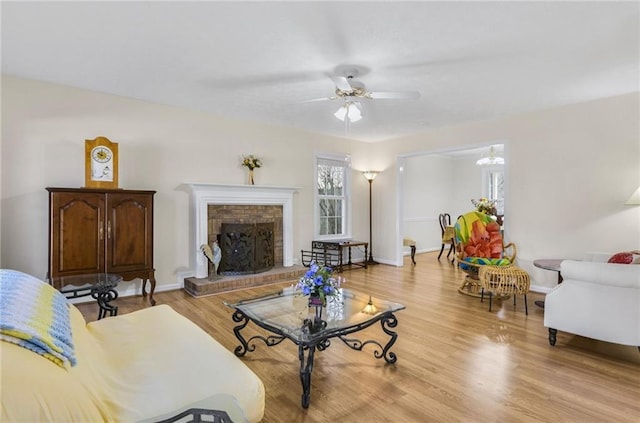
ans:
(246, 248)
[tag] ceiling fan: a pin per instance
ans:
(352, 92)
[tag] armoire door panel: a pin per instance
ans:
(78, 224)
(129, 232)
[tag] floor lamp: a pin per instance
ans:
(370, 175)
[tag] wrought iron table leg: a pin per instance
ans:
(386, 323)
(242, 349)
(306, 367)
(104, 298)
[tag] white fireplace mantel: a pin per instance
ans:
(203, 194)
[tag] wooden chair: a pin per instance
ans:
(408, 242)
(447, 233)
(478, 243)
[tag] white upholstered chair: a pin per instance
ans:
(597, 300)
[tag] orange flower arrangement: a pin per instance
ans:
(485, 241)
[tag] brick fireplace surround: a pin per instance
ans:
(250, 202)
(245, 213)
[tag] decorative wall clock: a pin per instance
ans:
(101, 163)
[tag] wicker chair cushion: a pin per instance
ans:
(484, 261)
(488, 261)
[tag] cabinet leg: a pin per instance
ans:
(152, 282)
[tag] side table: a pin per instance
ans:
(548, 264)
(101, 286)
(323, 247)
(504, 281)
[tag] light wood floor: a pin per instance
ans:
(457, 362)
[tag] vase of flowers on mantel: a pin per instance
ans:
(251, 162)
(319, 284)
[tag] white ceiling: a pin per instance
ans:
(261, 60)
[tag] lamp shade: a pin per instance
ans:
(634, 200)
(370, 174)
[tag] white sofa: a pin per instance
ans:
(596, 299)
(144, 366)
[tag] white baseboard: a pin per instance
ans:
(540, 289)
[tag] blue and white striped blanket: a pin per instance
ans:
(35, 316)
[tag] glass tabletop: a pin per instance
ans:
(70, 284)
(286, 310)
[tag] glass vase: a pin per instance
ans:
(250, 180)
(316, 307)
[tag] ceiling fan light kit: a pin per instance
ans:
(351, 91)
(350, 110)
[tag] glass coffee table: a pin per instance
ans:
(101, 286)
(287, 315)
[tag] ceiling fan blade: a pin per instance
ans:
(313, 100)
(342, 83)
(390, 95)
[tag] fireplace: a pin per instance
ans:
(219, 215)
(247, 248)
(204, 195)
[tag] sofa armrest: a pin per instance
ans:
(621, 275)
(162, 362)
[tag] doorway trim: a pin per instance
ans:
(400, 166)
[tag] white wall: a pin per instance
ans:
(427, 190)
(434, 183)
(568, 173)
(44, 127)
(467, 185)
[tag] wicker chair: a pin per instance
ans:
(479, 243)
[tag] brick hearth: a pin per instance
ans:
(199, 287)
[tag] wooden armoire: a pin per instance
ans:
(102, 231)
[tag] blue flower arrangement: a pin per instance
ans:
(319, 282)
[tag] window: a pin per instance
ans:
(332, 197)
(494, 186)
